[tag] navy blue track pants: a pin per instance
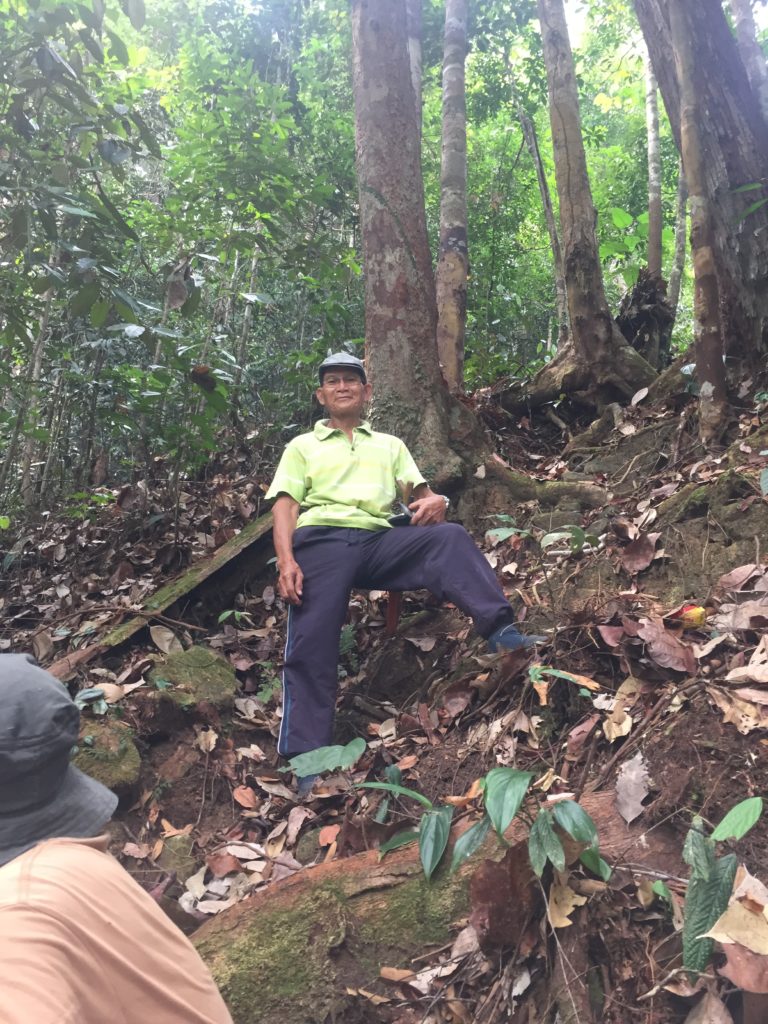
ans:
(442, 558)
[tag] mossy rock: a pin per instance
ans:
(107, 753)
(194, 677)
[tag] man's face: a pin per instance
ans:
(342, 393)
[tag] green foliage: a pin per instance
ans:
(504, 792)
(711, 880)
(434, 832)
(327, 759)
(543, 844)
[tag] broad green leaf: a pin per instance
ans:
(698, 851)
(662, 890)
(85, 298)
(593, 862)
(99, 312)
(390, 787)
(434, 830)
(739, 820)
(118, 48)
(621, 218)
(75, 211)
(705, 901)
(398, 840)
(543, 844)
(505, 790)
(327, 759)
(393, 774)
(554, 538)
(135, 11)
(574, 820)
(470, 842)
(751, 209)
(5, 522)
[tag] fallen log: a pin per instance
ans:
(253, 544)
(290, 952)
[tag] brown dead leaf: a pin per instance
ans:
(138, 850)
(578, 736)
(409, 761)
(665, 648)
(328, 834)
(456, 698)
(639, 553)
(296, 818)
(424, 643)
(170, 830)
(618, 723)
(612, 635)
(503, 896)
(743, 714)
(246, 797)
(165, 639)
(740, 924)
(396, 974)
(709, 1011)
(561, 904)
(736, 578)
(747, 970)
(222, 863)
(542, 690)
(42, 646)
(464, 801)
(205, 738)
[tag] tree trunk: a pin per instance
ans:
(410, 398)
(597, 366)
(532, 145)
(735, 142)
(678, 261)
(453, 260)
(751, 54)
(30, 405)
(413, 15)
(710, 370)
(654, 175)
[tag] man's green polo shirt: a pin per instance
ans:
(339, 482)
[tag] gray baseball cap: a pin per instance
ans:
(338, 361)
(41, 794)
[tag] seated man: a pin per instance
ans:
(335, 487)
(80, 940)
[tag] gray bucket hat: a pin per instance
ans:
(339, 360)
(41, 794)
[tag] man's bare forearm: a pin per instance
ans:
(285, 515)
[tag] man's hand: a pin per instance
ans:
(290, 583)
(428, 511)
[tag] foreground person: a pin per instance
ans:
(80, 940)
(334, 488)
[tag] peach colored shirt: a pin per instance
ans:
(82, 942)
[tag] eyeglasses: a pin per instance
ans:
(331, 381)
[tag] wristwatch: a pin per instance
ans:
(447, 501)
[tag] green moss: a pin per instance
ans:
(107, 753)
(196, 675)
(418, 913)
(280, 959)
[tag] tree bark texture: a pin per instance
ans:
(681, 239)
(597, 364)
(414, 16)
(735, 142)
(410, 396)
(710, 369)
(751, 54)
(453, 258)
(654, 173)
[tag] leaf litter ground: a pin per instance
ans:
(677, 726)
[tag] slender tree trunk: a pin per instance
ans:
(26, 485)
(678, 262)
(242, 347)
(532, 145)
(735, 141)
(654, 172)
(710, 370)
(453, 260)
(751, 54)
(411, 398)
(597, 366)
(414, 19)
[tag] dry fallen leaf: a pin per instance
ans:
(632, 788)
(709, 1011)
(165, 639)
(246, 797)
(137, 850)
(205, 738)
(747, 970)
(424, 643)
(397, 974)
(639, 553)
(561, 904)
(296, 818)
(328, 834)
(42, 646)
(740, 924)
(222, 863)
(618, 723)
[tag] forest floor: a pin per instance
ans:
(655, 606)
